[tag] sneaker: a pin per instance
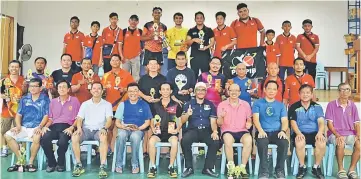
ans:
(102, 172)
(135, 170)
(243, 172)
(78, 170)
(301, 172)
(145, 154)
(4, 152)
(263, 176)
(342, 175)
(352, 175)
(152, 172)
(172, 173)
(119, 170)
(280, 174)
(318, 173)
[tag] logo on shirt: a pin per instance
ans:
(109, 34)
(77, 37)
(207, 107)
(312, 38)
(194, 33)
(281, 42)
(293, 83)
(180, 80)
(140, 110)
(89, 41)
(291, 41)
(70, 108)
(224, 33)
(252, 23)
(306, 82)
(269, 111)
(68, 37)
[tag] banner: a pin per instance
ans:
(253, 58)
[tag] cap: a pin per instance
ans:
(200, 84)
(307, 21)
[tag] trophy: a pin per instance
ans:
(117, 82)
(7, 83)
(155, 28)
(156, 121)
(49, 82)
(171, 124)
(165, 43)
(22, 159)
(230, 81)
(47, 73)
(230, 167)
(209, 79)
(29, 76)
(217, 84)
(152, 92)
(201, 36)
(89, 78)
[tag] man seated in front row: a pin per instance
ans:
(133, 117)
(30, 119)
(308, 125)
(235, 119)
(343, 122)
(168, 112)
(93, 120)
(270, 120)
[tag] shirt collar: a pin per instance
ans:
(339, 105)
(66, 100)
(77, 31)
(222, 28)
(194, 102)
(269, 44)
(289, 35)
(110, 28)
(228, 102)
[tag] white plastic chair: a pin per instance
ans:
(274, 159)
(141, 158)
(239, 147)
(331, 155)
(177, 163)
(309, 149)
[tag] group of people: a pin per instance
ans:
(76, 104)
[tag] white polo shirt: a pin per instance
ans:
(94, 115)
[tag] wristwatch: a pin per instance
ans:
(105, 129)
(283, 131)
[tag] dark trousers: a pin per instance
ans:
(203, 136)
(106, 66)
(200, 62)
(75, 67)
(283, 69)
(311, 69)
(262, 146)
(55, 133)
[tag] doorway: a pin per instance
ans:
(6, 42)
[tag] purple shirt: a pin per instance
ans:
(343, 119)
(212, 93)
(64, 113)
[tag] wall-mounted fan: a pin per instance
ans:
(25, 53)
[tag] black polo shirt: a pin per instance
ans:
(60, 75)
(193, 33)
(167, 113)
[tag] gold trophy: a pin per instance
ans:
(155, 28)
(29, 76)
(230, 81)
(89, 78)
(230, 166)
(22, 159)
(152, 92)
(201, 36)
(209, 80)
(47, 73)
(165, 43)
(117, 82)
(7, 83)
(156, 121)
(217, 84)
(171, 124)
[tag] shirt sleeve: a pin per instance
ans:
(50, 110)
(193, 79)
(96, 78)
(299, 39)
(21, 106)
(189, 33)
(312, 82)
(65, 41)
(356, 116)
(256, 107)
(148, 115)
(109, 110)
(278, 52)
(213, 113)
(74, 80)
(185, 107)
(119, 114)
(259, 25)
(317, 40)
(329, 112)
(81, 112)
(287, 89)
(46, 107)
(292, 115)
(283, 110)
(248, 110)
(232, 34)
(145, 30)
(76, 107)
(319, 111)
(211, 33)
(120, 36)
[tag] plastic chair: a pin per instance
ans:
(274, 159)
(196, 145)
(42, 157)
(141, 159)
(27, 153)
(239, 155)
(89, 145)
(331, 155)
(158, 146)
(321, 74)
(309, 149)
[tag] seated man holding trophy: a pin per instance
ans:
(133, 116)
(82, 81)
(164, 128)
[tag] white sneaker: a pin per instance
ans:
(4, 152)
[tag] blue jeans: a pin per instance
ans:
(283, 69)
(135, 137)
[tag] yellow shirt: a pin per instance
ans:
(176, 38)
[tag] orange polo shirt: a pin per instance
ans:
(261, 93)
(272, 52)
(223, 37)
(293, 84)
(74, 47)
(113, 95)
(88, 42)
(287, 47)
(247, 32)
(109, 35)
(306, 45)
(131, 44)
(17, 90)
(83, 94)
(154, 45)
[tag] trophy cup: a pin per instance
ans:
(29, 76)
(209, 80)
(152, 92)
(22, 159)
(217, 84)
(156, 121)
(165, 43)
(171, 124)
(89, 78)
(7, 83)
(230, 81)
(201, 36)
(47, 73)
(117, 82)
(230, 167)
(49, 83)
(155, 28)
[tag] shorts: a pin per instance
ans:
(24, 133)
(90, 135)
(350, 140)
(6, 124)
(310, 138)
(164, 137)
(148, 54)
(237, 136)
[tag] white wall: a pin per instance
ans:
(47, 22)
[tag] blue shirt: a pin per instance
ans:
(244, 84)
(307, 119)
(270, 114)
(33, 112)
(136, 113)
(201, 113)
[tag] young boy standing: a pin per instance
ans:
(93, 47)
(272, 51)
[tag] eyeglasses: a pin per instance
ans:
(216, 64)
(200, 90)
(345, 89)
(133, 91)
(33, 86)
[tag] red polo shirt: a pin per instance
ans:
(247, 32)
(306, 45)
(286, 44)
(74, 47)
(223, 37)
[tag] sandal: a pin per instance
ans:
(31, 168)
(13, 168)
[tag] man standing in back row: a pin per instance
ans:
(246, 28)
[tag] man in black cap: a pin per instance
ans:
(308, 44)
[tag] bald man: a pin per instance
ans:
(272, 71)
(235, 119)
(243, 82)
